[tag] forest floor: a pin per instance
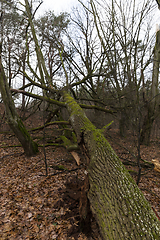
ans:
(33, 206)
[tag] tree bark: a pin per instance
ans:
(119, 207)
(147, 125)
(151, 105)
(15, 123)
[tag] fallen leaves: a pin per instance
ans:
(156, 163)
(27, 197)
(76, 157)
(33, 206)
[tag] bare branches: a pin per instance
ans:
(158, 2)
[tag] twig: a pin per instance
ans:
(139, 148)
(64, 171)
(148, 190)
(132, 154)
(12, 154)
(44, 150)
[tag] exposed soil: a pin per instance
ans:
(33, 206)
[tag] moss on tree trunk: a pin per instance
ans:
(121, 210)
(15, 123)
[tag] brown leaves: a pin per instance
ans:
(27, 197)
(76, 157)
(156, 163)
(35, 207)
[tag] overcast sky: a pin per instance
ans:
(58, 5)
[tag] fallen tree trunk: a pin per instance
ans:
(119, 207)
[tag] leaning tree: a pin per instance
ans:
(13, 119)
(117, 204)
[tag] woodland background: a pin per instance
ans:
(106, 56)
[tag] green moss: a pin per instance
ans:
(74, 137)
(66, 141)
(59, 167)
(23, 129)
(156, 237)
(68, 144)
(97, 143)
(27, 137)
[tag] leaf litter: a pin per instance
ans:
(33, 206)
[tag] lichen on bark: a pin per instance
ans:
(119, 207)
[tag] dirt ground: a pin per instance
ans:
(33, 206)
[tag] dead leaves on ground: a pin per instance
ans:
(33, 206)
(28, 199)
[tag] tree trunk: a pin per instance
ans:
(147, 126)
(119, 207)
(15, 123)
(122, 123)
(24, 78)
(151, 106)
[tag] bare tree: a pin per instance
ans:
(117, 204)
(126, 46)
(14, 121)
(152, 103)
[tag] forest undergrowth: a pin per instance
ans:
(36, 206)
